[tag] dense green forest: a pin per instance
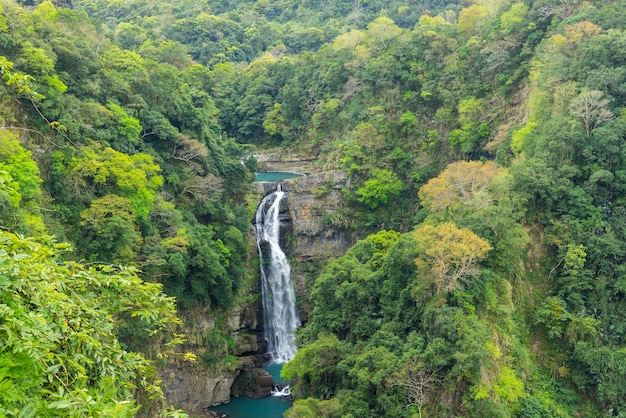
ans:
(484, 142)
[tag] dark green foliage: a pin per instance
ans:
(396, 325)
(129, 129)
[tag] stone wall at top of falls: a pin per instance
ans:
(287, 161)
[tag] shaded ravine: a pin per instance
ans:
(285, 213)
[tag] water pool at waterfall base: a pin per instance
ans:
(270, 407)
(243, 407)
(274, 176)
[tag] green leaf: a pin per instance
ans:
(62, 404)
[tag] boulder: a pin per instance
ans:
(253, 383)
(193, 391)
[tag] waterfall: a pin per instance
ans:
(279, 310)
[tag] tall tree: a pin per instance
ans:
(448, 255)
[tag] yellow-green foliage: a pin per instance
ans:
(514, 19)
(522, 135)
(315, 408)
(508, 388)
(450, 254)
(19, 187)
(17, 162)
(135, 177)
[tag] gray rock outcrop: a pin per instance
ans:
(312, 201)
(193, 391)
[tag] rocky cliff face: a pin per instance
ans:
(312, 201)
(308, 215)
(195, 392)
(196, 386)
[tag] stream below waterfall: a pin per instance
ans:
(270, 407)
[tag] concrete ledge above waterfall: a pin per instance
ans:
(286, 160)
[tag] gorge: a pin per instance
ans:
(309, 241)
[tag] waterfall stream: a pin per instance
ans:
(279, 310)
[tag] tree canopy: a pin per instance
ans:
(483, 145)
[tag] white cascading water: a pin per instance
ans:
(279, 308)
